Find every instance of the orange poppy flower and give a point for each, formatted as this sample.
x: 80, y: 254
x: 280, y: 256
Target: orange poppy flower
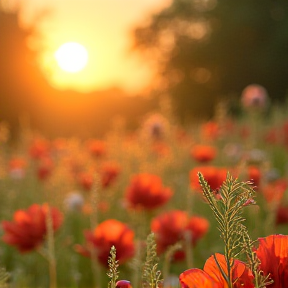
x: 213, y: 175
x: 28, y: 229
x: 146, y: 191
x: 273, y: 254
x: 212, y: 277
x: 203, y: 153
x: 108, y: 233
x: 171, y: 227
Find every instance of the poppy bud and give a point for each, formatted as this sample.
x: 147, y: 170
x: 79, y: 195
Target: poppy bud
x: 123, y: 284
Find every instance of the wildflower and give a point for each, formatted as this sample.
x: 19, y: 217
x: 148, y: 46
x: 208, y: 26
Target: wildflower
x: 59, y: 145
x: 28, y: 229
x: 160, y: 148
x: 108, y: 233
x: 211, y: 276
x: 17, y: 167
x: 45, y: 167
x: 146, y: 191
x: 109, y: 173
x: 273, y: 255
x: 254, y: 175
x: 272, y: 175
x: 254, y: 97
x: 171, y: 227
x: 282, y: 215
x: 274, y: 191
x: 74, y: 201
x: 210, y: 130
x: 213, y: 175
x: 255, y: 156
x: 123, y: 284
x: 156, y: 126
x: 39, y: 148
x: 233, y: 152
x: 203, y: 153
x: 96, y: 148
x: 85, y: 180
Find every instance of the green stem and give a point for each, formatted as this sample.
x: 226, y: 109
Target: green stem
x: 188, y: 248
x: 51, y: 251
x: 93, y: 223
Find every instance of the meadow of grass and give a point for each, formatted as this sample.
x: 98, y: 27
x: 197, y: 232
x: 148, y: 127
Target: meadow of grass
x: 137, y: 178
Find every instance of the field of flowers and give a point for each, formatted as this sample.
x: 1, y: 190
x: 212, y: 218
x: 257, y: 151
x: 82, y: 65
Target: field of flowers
x: 66, y: 202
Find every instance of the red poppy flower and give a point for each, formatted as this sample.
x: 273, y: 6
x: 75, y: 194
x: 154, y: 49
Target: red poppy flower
x: 271, y: 136
x: 146, y: 191
x: 212, y: 277
x: 171, y: 227
x: 17, y: 163
x: 197, y: 278
x: 254, y: 175
x: 123, y: 284
x: 210, y: 130
x: 213, y: 175
x: 85, y: 180
x: 97, y: 148
x: 160, y: 148
x: 203, y: 153
x: 17, y: 167
x: 282, y: 215
x: 109, y: 173
x: 108, y: 233
x: 44, y: 168
x: 273, y: 254
x: 285, y: 133
x: 274, y: 191
x: 39, y: 148
x: 59, y: 145
x: 28, y: 229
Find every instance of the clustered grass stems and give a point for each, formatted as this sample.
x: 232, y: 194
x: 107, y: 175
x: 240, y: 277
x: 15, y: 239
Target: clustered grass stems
x: 4, y: 277
x: 234, y: 196
x: 260, y: 280
x: 113, y: 268
x: 151, y: 275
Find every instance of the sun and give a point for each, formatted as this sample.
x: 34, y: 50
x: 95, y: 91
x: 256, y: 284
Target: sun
x: 71, y: 57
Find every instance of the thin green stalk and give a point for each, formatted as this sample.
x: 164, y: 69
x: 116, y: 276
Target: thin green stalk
x: 93, y: 223
x: 188, y: 248
x: 51, y: 250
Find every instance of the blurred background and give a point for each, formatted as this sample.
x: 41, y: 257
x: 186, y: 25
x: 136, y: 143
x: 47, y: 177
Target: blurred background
x: 141, y: 54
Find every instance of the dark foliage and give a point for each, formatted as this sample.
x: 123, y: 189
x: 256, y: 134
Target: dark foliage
x: 212, y: 49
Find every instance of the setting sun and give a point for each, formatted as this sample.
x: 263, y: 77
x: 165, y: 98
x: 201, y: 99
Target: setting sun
x: 71, y: 57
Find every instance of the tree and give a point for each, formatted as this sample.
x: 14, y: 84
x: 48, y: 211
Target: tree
x: 207, y: 49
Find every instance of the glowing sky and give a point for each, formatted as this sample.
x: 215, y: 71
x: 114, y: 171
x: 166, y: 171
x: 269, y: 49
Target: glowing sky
x: 104, y: 28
